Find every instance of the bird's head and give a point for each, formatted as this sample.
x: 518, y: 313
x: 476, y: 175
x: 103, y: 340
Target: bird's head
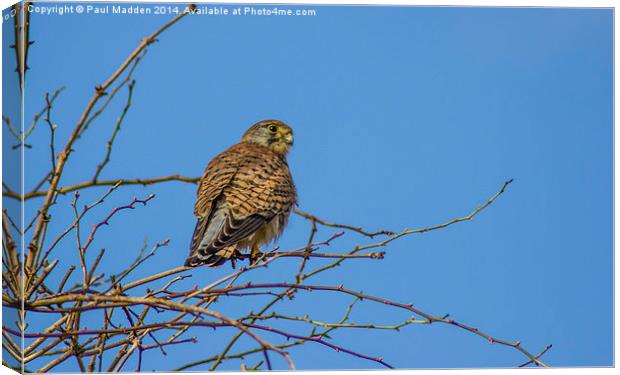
x: 273, y: 134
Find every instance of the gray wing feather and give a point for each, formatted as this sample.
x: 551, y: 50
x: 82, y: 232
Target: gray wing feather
x: 220, y: 231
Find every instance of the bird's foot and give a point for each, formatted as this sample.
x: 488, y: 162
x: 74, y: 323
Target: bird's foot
x: 255, y: 255
x: 233, y: 259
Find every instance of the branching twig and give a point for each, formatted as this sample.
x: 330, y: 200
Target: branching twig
x: 533, y: 360
x: 359, y: 230
x: 90, y: 183
x: 113, y: 136
x: 48, y: 120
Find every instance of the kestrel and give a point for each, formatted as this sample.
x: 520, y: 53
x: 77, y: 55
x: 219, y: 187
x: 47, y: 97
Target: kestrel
x: 244, y: 197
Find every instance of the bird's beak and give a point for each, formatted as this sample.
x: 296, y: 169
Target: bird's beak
x: 289, y: 138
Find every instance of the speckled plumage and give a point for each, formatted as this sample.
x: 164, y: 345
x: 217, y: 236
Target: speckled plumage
x: 245, y: 196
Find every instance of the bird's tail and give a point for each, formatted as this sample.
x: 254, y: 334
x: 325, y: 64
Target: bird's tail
x: 214, y: 259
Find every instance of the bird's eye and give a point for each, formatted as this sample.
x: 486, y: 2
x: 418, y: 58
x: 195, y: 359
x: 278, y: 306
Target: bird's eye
x: 273, y: 128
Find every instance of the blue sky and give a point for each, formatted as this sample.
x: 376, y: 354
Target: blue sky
x: 404, y: 117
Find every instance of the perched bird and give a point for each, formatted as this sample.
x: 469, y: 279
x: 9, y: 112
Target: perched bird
x: 244, y: 197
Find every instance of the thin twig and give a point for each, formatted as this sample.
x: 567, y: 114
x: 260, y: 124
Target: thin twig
x: 88, y: 184
x: 116, y: 129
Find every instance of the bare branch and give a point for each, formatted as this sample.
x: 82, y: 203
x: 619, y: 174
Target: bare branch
x: 359, y: 230
x: 113, y: 136
x: 88, y: 184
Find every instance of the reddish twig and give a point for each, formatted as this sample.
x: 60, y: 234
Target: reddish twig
x: 106, y: 221
x: 362, y: 296
x: 537, y: 356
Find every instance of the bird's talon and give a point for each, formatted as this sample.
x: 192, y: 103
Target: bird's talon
x: 256, y: 255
